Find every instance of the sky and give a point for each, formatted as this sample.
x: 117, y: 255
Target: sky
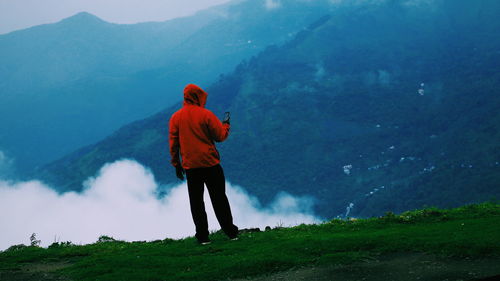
x: 21, y: 14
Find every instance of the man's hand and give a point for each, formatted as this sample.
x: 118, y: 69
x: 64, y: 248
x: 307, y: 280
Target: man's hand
x: 179, y: 171
x: 227, y: 118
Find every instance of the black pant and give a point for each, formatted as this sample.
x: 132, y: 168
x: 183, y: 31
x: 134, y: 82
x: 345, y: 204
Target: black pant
x: 214, y: 179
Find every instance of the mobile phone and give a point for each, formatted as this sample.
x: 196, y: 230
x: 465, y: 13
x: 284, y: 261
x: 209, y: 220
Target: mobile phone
x: 227, y: 116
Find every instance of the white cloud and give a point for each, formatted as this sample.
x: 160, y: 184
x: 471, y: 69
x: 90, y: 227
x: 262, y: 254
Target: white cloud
x: 320, y: 72
x: 121, y: 202
x: 365, y: 2
x: 272, y: 4
x: 336, y: 2
x: 384, y: 77
x: 6, y: 165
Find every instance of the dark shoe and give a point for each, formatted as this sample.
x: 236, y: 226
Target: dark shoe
x: 204, y: 241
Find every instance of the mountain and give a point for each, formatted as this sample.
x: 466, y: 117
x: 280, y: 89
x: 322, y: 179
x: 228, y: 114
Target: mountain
x: 65, y: 84
x: 71, y: 83
x: 375, y: 107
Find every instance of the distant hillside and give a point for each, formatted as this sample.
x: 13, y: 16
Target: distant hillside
x: 71, y: 83
x: 67, y: 84
x: 386, y: 106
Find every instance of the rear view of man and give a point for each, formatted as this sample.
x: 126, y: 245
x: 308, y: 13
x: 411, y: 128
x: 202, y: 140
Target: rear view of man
x: 193, y: 131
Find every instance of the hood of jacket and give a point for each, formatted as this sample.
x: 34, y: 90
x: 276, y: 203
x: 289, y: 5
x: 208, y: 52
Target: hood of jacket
x: 194, y: 95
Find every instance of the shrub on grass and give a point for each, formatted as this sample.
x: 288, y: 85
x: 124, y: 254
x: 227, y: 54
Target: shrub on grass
x: 34, y: 242
x: 15, y: 248
x: 105, y: 238
x: 61, y: 244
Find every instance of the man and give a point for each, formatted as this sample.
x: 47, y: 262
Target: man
x: 192, y: 133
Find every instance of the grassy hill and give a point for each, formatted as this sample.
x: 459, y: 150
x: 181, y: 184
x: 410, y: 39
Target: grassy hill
x: 468, y: 236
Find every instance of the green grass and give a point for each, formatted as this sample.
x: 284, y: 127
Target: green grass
x: 472, y: 231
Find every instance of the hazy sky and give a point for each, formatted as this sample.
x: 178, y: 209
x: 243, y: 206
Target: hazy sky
x: 20, y: 14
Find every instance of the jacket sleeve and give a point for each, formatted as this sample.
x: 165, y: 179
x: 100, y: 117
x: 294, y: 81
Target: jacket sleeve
x: 218, y: 131
x: 173, y: 136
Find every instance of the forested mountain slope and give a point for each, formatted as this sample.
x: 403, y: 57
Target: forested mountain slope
x: 389, y: 106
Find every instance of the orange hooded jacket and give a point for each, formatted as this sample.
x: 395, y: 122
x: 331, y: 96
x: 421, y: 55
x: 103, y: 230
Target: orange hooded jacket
x: 193, y: 129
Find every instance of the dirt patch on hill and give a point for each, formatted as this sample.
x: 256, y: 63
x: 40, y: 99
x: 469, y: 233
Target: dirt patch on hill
x: 388, y: 267
x: 36, y: 271
x: 396, y: 267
